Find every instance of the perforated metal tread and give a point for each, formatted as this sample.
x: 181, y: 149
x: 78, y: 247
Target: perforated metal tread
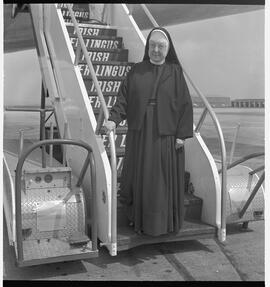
x: 91, y: 30
x: 56, y: 250
x: 34, y: 249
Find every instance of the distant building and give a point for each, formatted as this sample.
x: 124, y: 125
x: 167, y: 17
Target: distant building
x: 215, y: 102
x: 248, y: 103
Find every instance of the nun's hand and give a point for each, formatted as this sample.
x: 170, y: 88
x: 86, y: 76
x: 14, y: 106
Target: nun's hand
x: 109, y: 126
x: 179, y: 143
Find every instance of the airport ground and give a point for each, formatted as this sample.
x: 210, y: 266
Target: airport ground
x: 239, y: 258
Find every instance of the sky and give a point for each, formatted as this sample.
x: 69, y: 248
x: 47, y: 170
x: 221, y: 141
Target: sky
x: 224, y: 56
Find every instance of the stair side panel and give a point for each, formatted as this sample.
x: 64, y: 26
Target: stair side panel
x: 205, y: 178
x: 72, y: 106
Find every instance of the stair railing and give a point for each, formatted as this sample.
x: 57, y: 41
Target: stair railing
x: 243, y: 159
x: 42, y: 111
x: 208, y: 109
x: 103, y: 115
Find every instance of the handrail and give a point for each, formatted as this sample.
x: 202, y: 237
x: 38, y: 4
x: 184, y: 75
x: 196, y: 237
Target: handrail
x: 89, y: 63
x: 135, y: 26
x: 27, y: 109
x: 111, y: 135
x: 42, y: 111
x: 149, y: 15
x: 243, y: 159
x: 18, y: 177
x: 257, y: 170
x: 222, y: 235
x: 222, y: 230
x: 201, y: 120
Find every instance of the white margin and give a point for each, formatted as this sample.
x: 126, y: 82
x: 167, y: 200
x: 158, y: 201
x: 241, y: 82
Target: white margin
x: 1, y: 134
x: 267, y: 142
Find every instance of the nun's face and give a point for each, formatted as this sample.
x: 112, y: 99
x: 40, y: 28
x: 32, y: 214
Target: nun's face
x: 158, y: 47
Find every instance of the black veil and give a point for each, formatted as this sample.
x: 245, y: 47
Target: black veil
x: 171, y: 56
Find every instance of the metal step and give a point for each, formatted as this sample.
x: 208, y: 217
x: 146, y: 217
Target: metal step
x: 75, y: 7
x: 113, y: 62
x: 94, y: 25
x: 80, y: 14
x: 81, y: 20
x: 192, y: 205
x: 102, y: 43
x: 91, y: 31
x: 127, y: 238
x: 120, y: 143
x: 109, y: 89
x: 104, y: 56
x: 108, y: 97
x: 119, y: 130
x: 106, y: 71
x: 192, y: 227
x: 55, y: 250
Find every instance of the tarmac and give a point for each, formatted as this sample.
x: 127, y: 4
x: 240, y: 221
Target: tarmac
x: 239, y: 258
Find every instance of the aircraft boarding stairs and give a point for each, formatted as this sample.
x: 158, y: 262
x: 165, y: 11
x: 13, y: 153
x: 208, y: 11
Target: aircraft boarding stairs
x: 111, y: 66
x: 110, y: 59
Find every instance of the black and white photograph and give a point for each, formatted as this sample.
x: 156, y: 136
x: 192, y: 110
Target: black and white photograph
x: 134, y: 142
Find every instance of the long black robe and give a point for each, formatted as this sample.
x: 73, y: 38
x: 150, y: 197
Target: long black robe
x: 152, y: 184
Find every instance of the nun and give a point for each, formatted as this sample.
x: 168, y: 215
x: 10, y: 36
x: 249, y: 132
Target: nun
x: 155, y: 101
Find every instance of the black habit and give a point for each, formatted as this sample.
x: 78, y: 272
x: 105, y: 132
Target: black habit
x: 156, y: 103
